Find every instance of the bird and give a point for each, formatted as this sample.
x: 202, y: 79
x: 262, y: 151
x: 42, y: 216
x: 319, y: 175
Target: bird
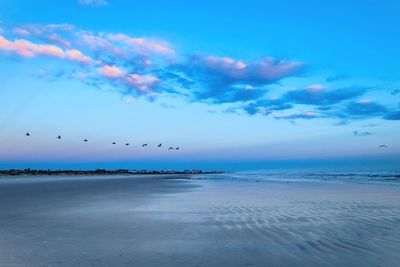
x: 144, y: 145
x: 113, y: 143
x: 383, y: 146
x: 27, y: 134
x: 85, y: 140
x: 170, y: 148
x: 127, y: 144
x: 159, y: 145
x: 176, y: 148
x: 59, y: 137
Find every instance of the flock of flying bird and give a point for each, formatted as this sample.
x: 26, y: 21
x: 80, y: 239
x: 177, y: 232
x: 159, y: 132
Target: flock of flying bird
x: 114, y: 143
x: 159, y: 145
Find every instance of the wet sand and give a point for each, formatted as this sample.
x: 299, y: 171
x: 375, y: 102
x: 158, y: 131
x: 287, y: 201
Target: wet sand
x: 147, y: 221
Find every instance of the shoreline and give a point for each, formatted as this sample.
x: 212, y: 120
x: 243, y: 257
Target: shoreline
x: 31, y: 172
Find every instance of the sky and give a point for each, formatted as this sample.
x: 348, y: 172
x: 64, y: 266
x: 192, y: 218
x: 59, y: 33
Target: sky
x: 234, y: 84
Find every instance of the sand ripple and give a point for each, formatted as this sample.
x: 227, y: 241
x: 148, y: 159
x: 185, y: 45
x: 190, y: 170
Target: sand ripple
x: 316, y: 228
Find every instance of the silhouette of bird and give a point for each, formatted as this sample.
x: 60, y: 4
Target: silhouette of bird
x: 170, y: 148
x: 144, y: 145
x: 127, y: 144
x: 85, y: 140
x: 59, y: 137
x: 27, y: 134
x: 383, y: 146
x: 113, y: 143
x: 159, y: 145
x: 176, y: 148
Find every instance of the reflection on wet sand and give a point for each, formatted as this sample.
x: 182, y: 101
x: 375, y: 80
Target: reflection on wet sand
x: 143, y: 221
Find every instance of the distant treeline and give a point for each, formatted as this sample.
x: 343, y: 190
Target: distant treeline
x: 14, y: 172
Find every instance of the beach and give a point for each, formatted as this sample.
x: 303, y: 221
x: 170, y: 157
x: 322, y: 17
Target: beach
x: 185, y: 220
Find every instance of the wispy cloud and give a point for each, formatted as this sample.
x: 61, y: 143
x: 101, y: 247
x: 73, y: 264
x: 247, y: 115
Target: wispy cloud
x: 148, y: 66
x: 111, y: 72
x: 99, y: 44
x: 335, y: 78
x: 96, y: 3
x: 76, y: 55
x: 306, y: 115
x: 141, y: 83
x: 26, y: 48
x: 358, y: 133
x: 142, y: 45
x: 363, y: 109
x: 265, y: 106
x: 395, y: 92
x: 316, y: 95
x: 29, y: 49
x: 228, y: 80
x: 395, y: 115
x: 322, y: 96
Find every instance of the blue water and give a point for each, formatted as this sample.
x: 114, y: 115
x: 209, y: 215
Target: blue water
x: 387, y: 177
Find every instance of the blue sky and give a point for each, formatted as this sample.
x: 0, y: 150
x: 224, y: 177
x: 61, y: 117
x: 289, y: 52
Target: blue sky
x: 229, y: 82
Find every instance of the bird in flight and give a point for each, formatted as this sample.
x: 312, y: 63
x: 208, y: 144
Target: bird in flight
x: 176, y: 148
x: 170, y: 148
x: 159, y: 145
x: 383, y: 146
x: 59, y: 137
x: 144, y: 145
x: 27, y: 134
x: 113, y: 143
x: 127, y: 144
x: 85, y: 140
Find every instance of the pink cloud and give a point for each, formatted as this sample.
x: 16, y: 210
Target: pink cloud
x: 315, y: 88
x: 143, y: 83
x: 306, y: 115
x: 65, y: 27
x: 226, y: 78
x: 77, y: 56
x: 272, y: 69
x: 142, y: 44
x: 57, y: 39
x: 268, y: 69
x: 49, y: 33
x: 229, y: 66
x: 21, y: 31
x: 111, y: 72
x: 26, y: 48
x: 98, y: 43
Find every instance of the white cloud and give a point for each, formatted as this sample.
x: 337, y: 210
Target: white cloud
x: 93, y: 2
